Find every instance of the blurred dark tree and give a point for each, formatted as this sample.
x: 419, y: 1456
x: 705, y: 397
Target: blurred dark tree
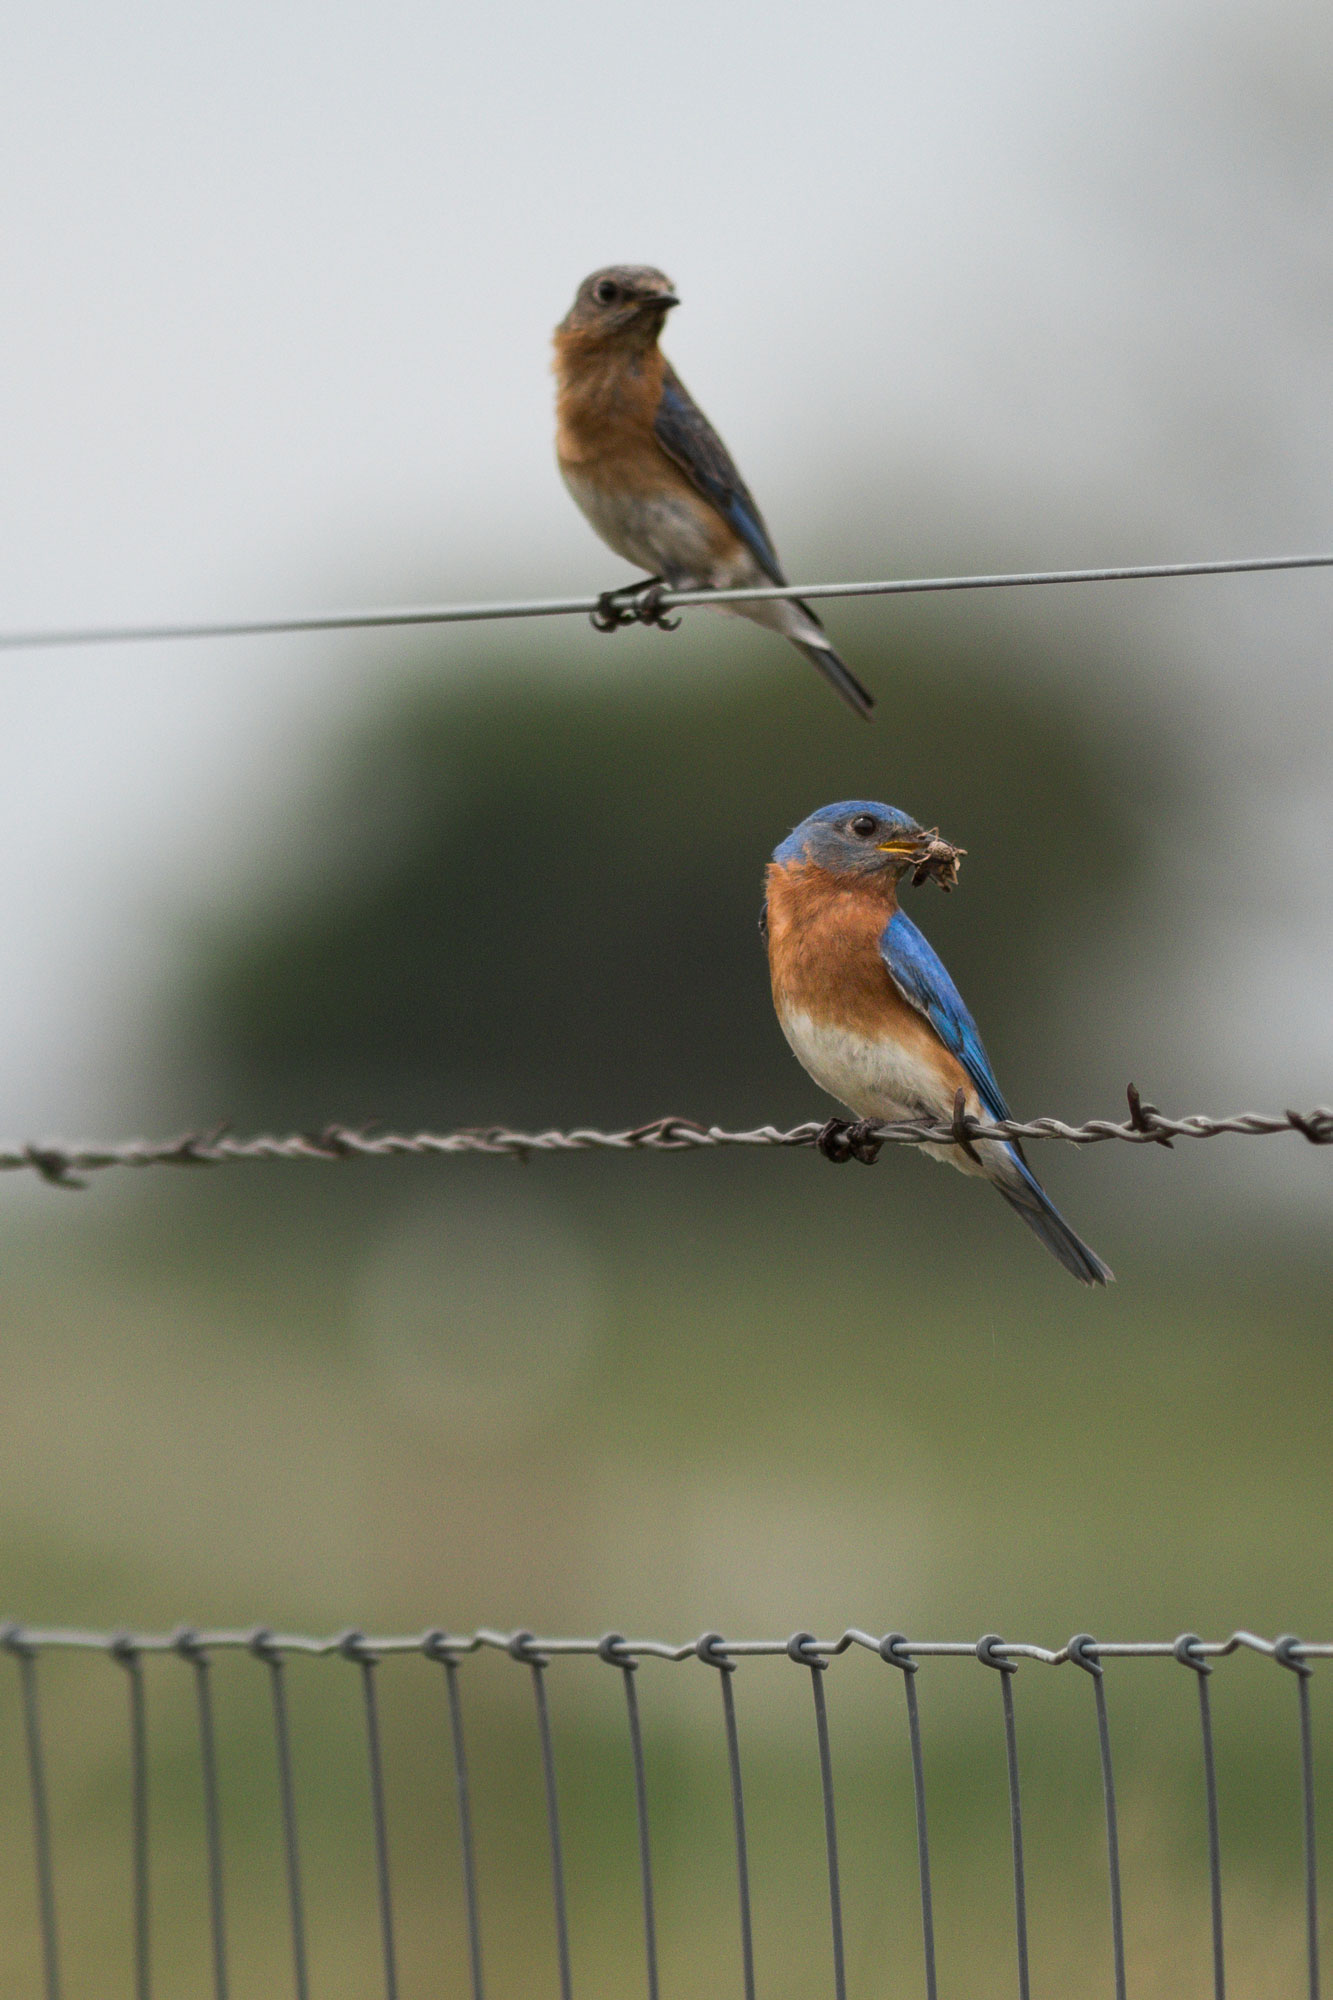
x: 532, y: 897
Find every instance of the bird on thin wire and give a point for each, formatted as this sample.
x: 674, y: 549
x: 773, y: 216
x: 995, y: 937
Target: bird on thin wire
x: 871, y: 1012
x: 653, y: 476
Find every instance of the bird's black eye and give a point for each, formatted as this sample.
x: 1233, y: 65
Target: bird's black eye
x: 864, y: 825
x: 607, y: 292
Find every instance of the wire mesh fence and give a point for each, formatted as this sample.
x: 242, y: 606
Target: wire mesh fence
x: 497, y: 1898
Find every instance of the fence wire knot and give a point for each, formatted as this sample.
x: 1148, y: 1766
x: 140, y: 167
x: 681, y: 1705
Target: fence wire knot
x: 1082, y: 1650
x: 1287, y: 1654
x: 710, y: 1648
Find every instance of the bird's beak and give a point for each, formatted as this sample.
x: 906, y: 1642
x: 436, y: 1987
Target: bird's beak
x: 927, y: 856
x: 660, y: 301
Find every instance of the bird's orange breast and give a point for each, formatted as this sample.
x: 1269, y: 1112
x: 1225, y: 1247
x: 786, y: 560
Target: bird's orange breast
x: 606, y: 403
x: 823, y: 948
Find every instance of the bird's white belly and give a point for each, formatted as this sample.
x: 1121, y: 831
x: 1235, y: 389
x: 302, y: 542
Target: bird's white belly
x: 666, y: 533
x: 877, y: 1078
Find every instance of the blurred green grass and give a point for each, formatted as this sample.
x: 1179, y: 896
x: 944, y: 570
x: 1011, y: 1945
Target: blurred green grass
x: 665, y: 1394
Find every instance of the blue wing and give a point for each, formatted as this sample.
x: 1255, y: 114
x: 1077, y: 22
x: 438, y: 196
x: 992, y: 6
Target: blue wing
x: 923, y: 982
x: 687, y: 437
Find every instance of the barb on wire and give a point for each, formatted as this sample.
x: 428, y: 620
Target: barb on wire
x: 65, y: 1165
x: 565, y: 607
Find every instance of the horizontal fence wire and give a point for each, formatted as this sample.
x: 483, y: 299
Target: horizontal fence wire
x: 63, y: 1164
x: 28, y: 1645
x: 667, y: 600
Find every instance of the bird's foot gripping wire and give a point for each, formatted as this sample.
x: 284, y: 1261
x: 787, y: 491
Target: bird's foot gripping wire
x: 633, y: 604
x: 854, y: 1139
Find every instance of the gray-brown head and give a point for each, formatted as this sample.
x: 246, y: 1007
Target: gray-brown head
x: 620, y: 303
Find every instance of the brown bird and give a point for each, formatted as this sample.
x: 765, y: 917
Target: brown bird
x: 653, y: 476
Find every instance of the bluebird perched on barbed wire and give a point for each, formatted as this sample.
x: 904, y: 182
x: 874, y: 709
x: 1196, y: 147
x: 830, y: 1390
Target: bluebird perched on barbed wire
x: 873, y: 1015
x: 653, y: 476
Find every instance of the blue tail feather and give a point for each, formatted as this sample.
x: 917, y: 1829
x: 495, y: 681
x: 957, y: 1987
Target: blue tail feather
x: 1025, y: 1194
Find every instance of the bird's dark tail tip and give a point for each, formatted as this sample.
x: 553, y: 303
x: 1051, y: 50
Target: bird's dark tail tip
x: 1025, y: 1194
x: 841, y: 677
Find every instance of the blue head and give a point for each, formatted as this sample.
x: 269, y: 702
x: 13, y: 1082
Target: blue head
x: 862, y: 837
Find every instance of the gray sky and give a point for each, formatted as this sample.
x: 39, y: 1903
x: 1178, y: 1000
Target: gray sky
x: 278, y: 285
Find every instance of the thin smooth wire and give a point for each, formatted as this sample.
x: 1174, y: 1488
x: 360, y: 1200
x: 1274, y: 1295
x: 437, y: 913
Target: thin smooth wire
x: 375, y: 1764
x: 553, y: 1827
x: 287, y: 1801
x: 564, y: 607
x: 212, y: 1818
x: 1286, y: 1652
x: 129, y: 1658
x: 63, y: 1165
x: 738, y: 1820
x: 41, y: 1824
x: 1311, y: 1851
x: 1112, y: 1839
x: 818, y: 1668
x: 434, y: 1643
x: 889, y: 1649
x: 1083, y: 1649
x: 463, y: 1795
x: 628, y: 1669
x: 1188, y: 1651
x: 1016, y: 1832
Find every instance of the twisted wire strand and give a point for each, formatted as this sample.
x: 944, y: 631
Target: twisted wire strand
x: 564, y: 607
x: 63, y: 1164
x: 436, y: 1644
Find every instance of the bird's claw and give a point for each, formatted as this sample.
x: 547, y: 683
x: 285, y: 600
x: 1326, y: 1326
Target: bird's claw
x: 612, y: 612
x: 849, y: 1139
x: 635, y: 604
x: 648, y: 608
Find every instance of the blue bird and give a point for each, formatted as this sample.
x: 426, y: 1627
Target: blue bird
x: 871, y: 1012
x: 653, y: 476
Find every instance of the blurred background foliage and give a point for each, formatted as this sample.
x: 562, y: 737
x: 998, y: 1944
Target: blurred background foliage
x: 535, y: 897
x: 748, y: 1392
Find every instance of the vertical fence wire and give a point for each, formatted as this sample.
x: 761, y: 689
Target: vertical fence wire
x: 611, y: 1648
x: 709, y: 1650
x: 13, y: 1641
x: 1082, y: 1651
x: 189, y: 1648
x: 354, y: 1648
x: 990, y: 1657
x: 1187, y: 1651
x: 797, y: 1649
x: 890, y: 1649
x: 1284, y: 1652
x: 436, y: 1650
x: 127, y: 1653
x: 802, y: 1648
x: 262, y: 1646
x: 1311, y: 1861
x: 521, y: 1648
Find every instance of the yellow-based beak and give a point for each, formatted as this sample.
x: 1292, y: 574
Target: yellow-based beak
x: 928, y: 856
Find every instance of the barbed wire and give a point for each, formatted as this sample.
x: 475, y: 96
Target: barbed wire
x: 63, y: 1165
x: 667, y: 600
